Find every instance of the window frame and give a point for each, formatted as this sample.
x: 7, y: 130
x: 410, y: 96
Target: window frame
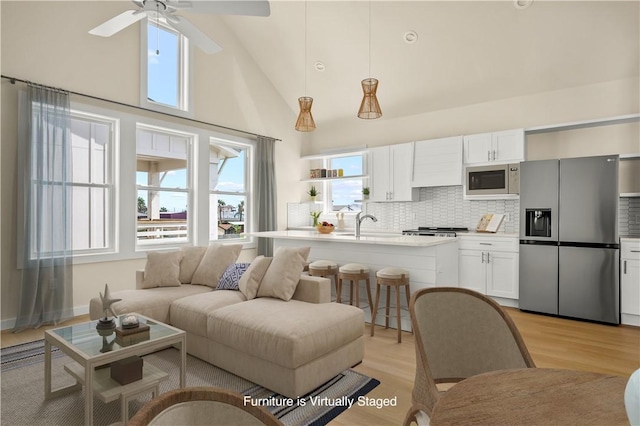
x: 185, y: 73
x: 111, y: 176
x: 190, y: 190
x: 249, y: 193
x: 327, y: 206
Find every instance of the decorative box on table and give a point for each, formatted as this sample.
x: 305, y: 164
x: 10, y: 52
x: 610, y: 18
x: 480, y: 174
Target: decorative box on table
x: 127, y: 370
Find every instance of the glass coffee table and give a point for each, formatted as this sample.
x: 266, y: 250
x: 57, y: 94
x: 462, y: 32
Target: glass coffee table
x: 91, y: 348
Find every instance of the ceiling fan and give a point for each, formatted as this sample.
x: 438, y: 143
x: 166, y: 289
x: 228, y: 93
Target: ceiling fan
x: 165, y: 10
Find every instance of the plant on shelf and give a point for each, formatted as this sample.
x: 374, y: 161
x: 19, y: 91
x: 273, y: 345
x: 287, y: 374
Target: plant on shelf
x: 365, y: 192
x: 313, y: 192
x: 315, y: 215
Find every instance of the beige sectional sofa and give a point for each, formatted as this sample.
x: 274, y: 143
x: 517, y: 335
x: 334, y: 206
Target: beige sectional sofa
x: 286, y: 337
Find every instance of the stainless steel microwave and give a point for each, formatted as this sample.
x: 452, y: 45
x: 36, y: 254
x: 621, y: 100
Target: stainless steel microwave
x: 493, y: 179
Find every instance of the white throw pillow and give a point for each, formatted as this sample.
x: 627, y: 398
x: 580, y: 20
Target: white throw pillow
x: 191, y: 257
x: 251, y: 279
x: 215, y: 261
x: 281, y: 279
x: 162, y: 269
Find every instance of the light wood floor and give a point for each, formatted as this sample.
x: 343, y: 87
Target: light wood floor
x: 553, y: 343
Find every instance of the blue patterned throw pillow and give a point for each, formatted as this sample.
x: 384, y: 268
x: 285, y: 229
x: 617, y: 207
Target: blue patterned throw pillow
x: 230, y: 277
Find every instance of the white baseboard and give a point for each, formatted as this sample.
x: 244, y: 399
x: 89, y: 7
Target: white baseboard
x: 8, y: 324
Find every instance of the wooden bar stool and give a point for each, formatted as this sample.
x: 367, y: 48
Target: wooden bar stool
x: 325, y: 269
x: 396, y: 278
x: 354, y: 273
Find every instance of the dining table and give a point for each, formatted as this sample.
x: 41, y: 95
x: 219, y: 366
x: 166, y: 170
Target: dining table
x: 531, y: 396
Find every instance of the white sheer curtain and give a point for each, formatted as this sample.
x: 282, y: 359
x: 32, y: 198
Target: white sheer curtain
x: 44, y: 208
x: 266, y: 192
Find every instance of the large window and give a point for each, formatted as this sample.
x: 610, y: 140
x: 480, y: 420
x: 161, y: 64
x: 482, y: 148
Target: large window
x: 163, y: 181
x: 345, y: 194
x: 165, y: 68
x: 229, y: 200
x: 93, y: 147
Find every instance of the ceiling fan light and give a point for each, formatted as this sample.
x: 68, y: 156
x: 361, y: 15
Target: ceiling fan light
x: 369, y: 108
x: 305, y: 122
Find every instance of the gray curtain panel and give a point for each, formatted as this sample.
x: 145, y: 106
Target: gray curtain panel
x: 266, y: 192
x: 44, y: 208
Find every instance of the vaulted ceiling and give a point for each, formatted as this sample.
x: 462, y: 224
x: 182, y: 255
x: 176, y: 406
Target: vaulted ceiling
x: 466, y: 52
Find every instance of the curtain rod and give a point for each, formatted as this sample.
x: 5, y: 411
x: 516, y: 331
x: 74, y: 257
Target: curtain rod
x: 13, y: 80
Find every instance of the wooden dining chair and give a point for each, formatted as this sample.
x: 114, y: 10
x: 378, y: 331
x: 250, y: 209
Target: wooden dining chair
x: 202, y: 406
x: 458, y: 333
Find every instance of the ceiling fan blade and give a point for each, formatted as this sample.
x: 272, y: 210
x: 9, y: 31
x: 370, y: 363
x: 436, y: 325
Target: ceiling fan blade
x: 194, y: 35
x: 118, y: 23
x: 229, y: 7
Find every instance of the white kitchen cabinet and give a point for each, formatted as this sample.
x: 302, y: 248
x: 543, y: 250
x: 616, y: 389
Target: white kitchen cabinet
x: 390, y: 173
x: 437, y: 162
x: 497, y: 147
x: 489, y: 265
x: 630, y: 282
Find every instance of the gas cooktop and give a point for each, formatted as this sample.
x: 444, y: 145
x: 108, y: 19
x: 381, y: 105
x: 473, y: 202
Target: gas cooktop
x: 436, y: 231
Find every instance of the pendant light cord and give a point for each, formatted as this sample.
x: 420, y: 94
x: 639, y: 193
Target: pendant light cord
x: 305, y: 48
x: 369, y: 38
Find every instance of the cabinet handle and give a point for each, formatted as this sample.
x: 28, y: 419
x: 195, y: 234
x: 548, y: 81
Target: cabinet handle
x: 486, y: 244
x: 635, y: 251
x: 494, y: 154
x: 625, y: 267
x: 488, y: 258
x: 488, y: 155
x: 482, y: 257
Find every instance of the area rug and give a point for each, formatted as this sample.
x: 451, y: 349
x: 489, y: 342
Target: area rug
x: 22, y: 377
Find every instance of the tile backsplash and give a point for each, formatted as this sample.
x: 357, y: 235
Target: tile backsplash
x: 445, y: 206
x: 442, y: 206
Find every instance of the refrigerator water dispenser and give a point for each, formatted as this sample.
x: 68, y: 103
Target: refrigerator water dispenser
x: 538, y: 222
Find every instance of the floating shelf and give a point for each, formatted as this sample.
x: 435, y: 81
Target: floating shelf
x: 334, y: 178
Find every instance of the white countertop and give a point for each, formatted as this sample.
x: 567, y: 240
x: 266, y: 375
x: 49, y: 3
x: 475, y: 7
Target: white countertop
x: 487, y: 234
x: 365, y: 238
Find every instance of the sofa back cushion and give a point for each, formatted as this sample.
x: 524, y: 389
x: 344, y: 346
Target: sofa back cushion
x: 231, y: 276
x: 191, y: 257
x: 282, y: 277
x: 162, y: 269
x: 250, y: 280
x: 215, y: 261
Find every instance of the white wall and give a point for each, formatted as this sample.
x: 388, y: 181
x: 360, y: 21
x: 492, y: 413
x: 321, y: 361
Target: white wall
x: 48, y: 43
x: 607, y: 99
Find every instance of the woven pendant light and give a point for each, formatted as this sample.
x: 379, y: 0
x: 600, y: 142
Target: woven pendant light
x: 369, y: 107
x: 305, y: 122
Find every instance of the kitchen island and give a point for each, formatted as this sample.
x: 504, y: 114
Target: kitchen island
x: 431, y: 261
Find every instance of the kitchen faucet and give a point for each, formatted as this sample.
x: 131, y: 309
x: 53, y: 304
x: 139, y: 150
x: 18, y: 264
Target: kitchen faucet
x: 359, y: 221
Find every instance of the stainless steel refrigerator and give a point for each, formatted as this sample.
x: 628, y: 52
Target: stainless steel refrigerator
x: 569, y: 247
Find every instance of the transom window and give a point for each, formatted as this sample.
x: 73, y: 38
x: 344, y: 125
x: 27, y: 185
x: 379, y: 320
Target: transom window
x: 165, y: 68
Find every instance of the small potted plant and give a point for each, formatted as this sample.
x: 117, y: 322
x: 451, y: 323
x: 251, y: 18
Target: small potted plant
x: 365, y: 193
x: 313, y: 192
x: 315, y: 215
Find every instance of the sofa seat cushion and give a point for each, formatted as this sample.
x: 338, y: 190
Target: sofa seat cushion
x: 287, y: 333
x: 190, y: 313
x: 153, y: 302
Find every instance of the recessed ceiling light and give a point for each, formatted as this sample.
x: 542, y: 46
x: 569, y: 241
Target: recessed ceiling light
x: 410, y: 37
x: 319, y: 66
x: 522, y: 4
